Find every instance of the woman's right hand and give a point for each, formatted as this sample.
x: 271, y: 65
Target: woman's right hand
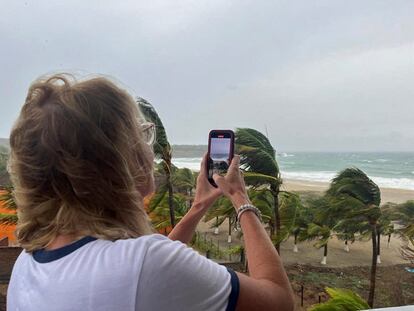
x: 232, y: 185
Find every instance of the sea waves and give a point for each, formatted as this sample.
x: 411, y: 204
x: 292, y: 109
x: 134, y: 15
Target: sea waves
x: 383, y: 182
x: 298, y: 171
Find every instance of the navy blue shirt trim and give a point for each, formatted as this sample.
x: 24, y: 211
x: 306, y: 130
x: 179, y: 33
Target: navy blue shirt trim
x: 235, y: 288
x: 44, y: 256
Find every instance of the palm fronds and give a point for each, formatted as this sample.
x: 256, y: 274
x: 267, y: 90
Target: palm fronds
x: 162, y: 148
x: 256, y: 153
x: 355, y: 183
x: 7, y: 198
x: 8, y: 202
x: 8, y: 219
x: 341, y: 300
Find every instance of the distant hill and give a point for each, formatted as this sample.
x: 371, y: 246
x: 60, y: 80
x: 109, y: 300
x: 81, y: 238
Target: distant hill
x: 4, y: 142
x: 179, y: 151
x: 4, y: 145
x: 188, y: 151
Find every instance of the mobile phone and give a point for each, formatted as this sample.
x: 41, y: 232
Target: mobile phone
x: 220, y: 153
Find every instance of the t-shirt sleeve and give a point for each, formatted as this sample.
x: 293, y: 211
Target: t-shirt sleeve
x: 175, y: 277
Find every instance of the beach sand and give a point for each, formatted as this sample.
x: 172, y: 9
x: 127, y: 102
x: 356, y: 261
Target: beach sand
x: 360, y: 251
x: 387, y: 194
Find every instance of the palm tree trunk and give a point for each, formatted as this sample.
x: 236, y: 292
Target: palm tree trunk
x: 389, y: 240
x: 373, y: 266
x: 275, y: 191
x: 295, y: 246
x: 216, y: 229
x: 242, y: 257
x: 325, y: 254
x: 346, y: 248
x: 272, y: 228
x: 378, y: 247
x: 170, y: 193
x: 229, y: 236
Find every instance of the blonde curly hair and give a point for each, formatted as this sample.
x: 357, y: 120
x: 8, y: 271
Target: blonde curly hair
x: 77, y: 162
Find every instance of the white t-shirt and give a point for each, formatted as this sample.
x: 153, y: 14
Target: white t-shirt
x: 148, y: 273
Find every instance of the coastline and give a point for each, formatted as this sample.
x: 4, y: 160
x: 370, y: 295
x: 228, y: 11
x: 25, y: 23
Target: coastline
x: 387, y: 194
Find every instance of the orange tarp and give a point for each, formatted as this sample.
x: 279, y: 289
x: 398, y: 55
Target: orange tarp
x: 7, y: 230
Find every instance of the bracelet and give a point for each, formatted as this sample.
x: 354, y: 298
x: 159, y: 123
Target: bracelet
x: 248, y: 207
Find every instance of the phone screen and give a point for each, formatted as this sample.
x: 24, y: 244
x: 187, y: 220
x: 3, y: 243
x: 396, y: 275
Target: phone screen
x: 220, y: 153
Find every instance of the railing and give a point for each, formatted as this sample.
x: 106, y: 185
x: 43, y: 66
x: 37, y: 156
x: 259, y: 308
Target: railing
x: 404, y: 308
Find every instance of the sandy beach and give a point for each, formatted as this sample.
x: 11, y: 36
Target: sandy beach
x: 387, y: 194
x: 360, y: 250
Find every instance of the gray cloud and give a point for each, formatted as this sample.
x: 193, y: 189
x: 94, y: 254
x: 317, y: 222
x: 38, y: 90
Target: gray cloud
x: 320, y: 75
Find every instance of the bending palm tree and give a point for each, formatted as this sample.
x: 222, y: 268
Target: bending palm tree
x: 159, y: 210
x: 221, y: 210
x: 184, y: 181
x: 321, y: 224
x: 292, y: 214
x: 258, y: 159
x: 353, y: 190
x: 162, y: 149
x: 405, y: 212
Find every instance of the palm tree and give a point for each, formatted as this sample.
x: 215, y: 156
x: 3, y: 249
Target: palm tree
x: 258, y: 159
x: 184, y: 181
x: 3, y: 160
x: 162, y: 149
x: 294, y: 217
x: 321, y: 222
x: 357, y: 195
x: 158, y: 210
x: 407, y: 250
x: 405, y: 215
x: 341, y: 300
x: 8, y: 202
x: 385, y: 225
x: 346, y: 232
x: 221, y: 210
x: 263, y: 199
x: 4, y: 175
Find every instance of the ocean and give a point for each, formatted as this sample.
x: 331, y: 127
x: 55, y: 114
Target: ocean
x: 388, y: 170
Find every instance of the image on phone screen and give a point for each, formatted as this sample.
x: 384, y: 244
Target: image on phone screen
x: 219, y: 155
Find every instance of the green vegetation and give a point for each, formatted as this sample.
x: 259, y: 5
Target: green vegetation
x: 341, y: 300
x: 261, y: 171
x: 7, y: 201
x: 162, y: 150
x: 355, y: 196
x: 207, y: 247
x: 3, y: 159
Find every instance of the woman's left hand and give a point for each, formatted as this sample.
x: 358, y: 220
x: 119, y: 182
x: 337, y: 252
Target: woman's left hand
x: 206, y: 194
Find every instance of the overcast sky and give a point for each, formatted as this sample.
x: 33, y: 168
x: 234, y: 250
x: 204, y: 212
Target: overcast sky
x: 320, y: 75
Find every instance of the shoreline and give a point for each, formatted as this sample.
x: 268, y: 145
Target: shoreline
x: 393, y: 195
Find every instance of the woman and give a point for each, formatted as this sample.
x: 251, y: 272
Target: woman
x: 81, y: 163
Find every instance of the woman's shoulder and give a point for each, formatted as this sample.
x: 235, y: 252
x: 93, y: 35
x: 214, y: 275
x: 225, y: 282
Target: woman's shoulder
x: 141, y: 245
x: 142, y: 241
